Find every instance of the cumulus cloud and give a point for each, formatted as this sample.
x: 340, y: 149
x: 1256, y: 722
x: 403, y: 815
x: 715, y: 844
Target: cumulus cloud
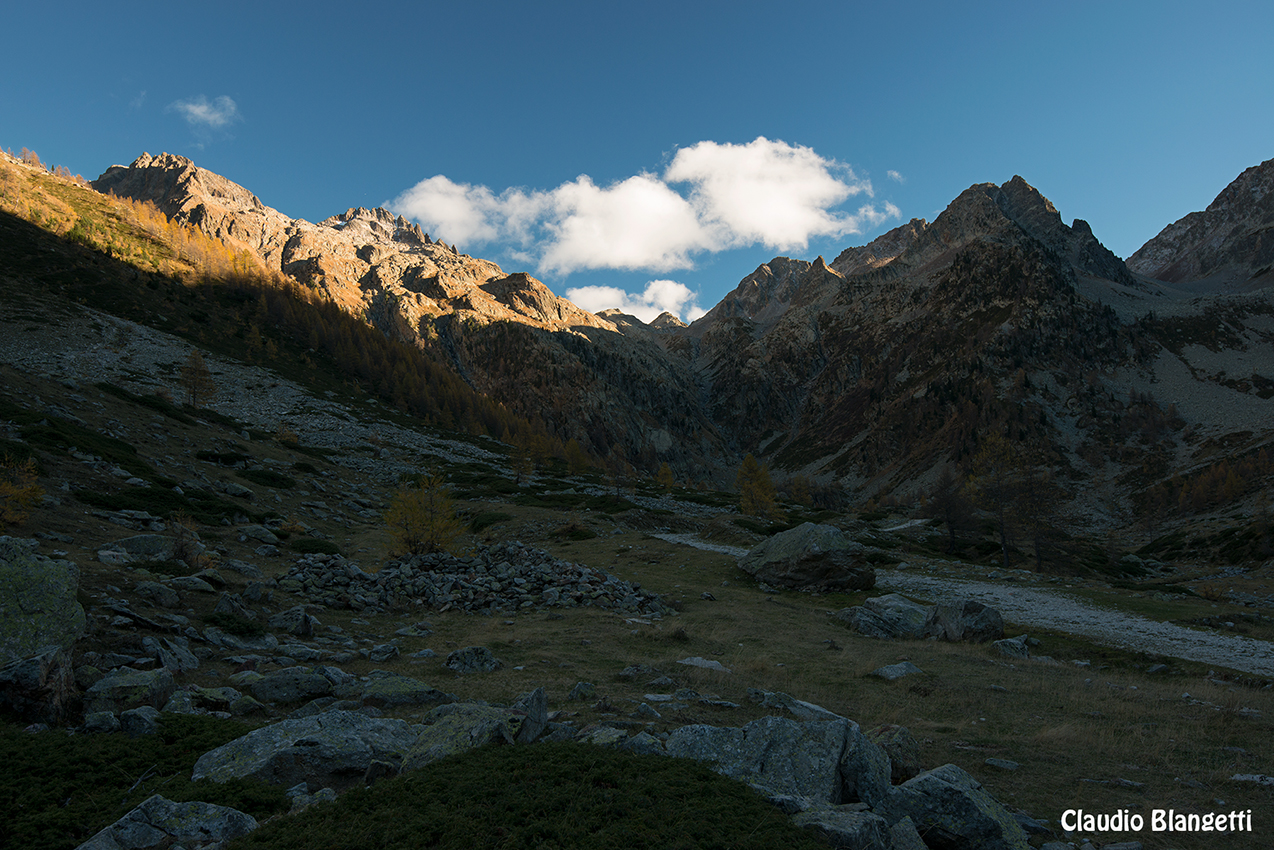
x: 761, y: 193
x: 201, y: 112
x: 771, y: 193
x: 660, y: 296
x: 895, y: 176
x: 639, y: 223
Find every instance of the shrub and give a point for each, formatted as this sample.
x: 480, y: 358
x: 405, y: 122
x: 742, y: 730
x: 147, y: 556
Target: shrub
x: 18, y: 490
x: 57, y: 790
x: 546, y: 795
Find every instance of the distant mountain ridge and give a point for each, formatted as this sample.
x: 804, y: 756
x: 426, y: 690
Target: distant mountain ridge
x: 871, y: 373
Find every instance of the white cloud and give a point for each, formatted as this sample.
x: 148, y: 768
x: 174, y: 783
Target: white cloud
x: 763, y: 192
x: 201, y: 112
x: 661, y: 296
x: 639, y: 223
x: 895, y: 176
x: 773, y: 193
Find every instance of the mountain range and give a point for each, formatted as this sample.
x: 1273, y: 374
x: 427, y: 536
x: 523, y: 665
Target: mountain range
x: 866, y: 376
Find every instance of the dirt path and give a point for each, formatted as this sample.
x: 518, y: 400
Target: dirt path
x: 1029, y: 607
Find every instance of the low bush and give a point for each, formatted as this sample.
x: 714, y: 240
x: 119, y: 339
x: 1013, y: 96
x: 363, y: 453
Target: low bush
x: 57, y: 790
x: 543, y: 795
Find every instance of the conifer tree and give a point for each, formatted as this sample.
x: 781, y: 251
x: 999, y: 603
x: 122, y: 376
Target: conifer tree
x: 422, y: 518
x: 756, y: 491
x: 197, y: 380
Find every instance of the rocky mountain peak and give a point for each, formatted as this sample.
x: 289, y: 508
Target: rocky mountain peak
x: 368, y: 260
x: 1230, y: 245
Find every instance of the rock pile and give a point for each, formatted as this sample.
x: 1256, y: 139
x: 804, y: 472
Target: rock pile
x: 505, y: 577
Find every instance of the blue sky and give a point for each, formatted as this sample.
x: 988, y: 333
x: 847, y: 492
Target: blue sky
x: 612, y: 145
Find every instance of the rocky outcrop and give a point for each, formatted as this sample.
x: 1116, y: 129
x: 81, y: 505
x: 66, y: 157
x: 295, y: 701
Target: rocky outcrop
x: 159, y: 822
x: 810, y: 557
x: 329, y: 750
x: 830, y: 761
x: 952, y: 811
x: 38, y: 606
x: 1230, y: 245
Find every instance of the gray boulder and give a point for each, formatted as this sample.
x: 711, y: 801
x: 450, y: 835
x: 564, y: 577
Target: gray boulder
x: 889, y: 617
x: 842, y: 828
x: 826, y: 760
x: 456, y: 728
x: 291, y: 684
x: 1018, y: 647
x: 472, y: 659
x: 139, y: 721
x: 952, y: 811
x: 331, y: 750
x: 39, y: 687
x: 158, y: 822
x: 893, y: 672
x: 125, y: 688
x: 967, y: 620
x: 38, y: 607
x: 172, y: 653
x: 534, y: 708
x: 902, y: 748
x: 895, y: 617
x: 800, y: 709
x: 159, y: 595
x: 295, y: 621
x: 810, y: 556
x: 233, y: 605
x: 390, y: 690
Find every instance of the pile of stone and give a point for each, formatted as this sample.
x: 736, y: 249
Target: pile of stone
x: 502, y: 578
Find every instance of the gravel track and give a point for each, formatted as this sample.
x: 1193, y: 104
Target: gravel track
x: 1055, y: 610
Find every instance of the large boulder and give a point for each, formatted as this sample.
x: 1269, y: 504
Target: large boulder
x: 291, y: 684
x: 390, y: 690
x: 159, y: 822
x: 966, y: 620
x: 895, y: 617
x: 39, y: 687
x: 825, y: 760
x: 328, y: 750
x: 952, y: 811
x: 126, y: 688
x: 452, y: 729
x: 890, y: 616
x: 810, y: 556
x: 38, y: 607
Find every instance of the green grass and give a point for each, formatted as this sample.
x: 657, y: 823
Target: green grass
x: 56, y: 790
x: 542, y: 795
